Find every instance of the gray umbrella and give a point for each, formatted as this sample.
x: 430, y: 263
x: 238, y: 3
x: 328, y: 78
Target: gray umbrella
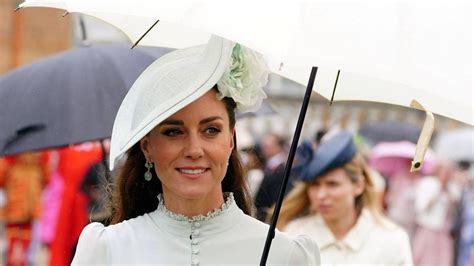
x: 389, y: 131
x: 68, y: 98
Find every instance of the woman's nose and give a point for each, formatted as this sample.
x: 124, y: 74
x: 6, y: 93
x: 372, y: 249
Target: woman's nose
x: 321, y: 192
x: 193, y: 147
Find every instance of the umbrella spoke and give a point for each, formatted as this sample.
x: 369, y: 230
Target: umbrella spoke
x: 144, y: 34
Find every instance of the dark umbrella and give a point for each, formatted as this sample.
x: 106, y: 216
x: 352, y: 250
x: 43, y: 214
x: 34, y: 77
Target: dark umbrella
x: 389, y: 131
x: 68, y: 98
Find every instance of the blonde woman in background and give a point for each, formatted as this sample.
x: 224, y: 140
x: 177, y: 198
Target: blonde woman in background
x: 336, y: 204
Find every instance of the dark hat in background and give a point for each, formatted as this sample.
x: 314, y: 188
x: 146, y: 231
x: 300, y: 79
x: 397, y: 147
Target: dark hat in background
x: 330, y: 154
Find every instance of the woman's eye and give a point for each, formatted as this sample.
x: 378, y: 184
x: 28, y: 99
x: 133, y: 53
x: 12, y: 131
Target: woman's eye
x: 172, y: 132
x: 212, y: 131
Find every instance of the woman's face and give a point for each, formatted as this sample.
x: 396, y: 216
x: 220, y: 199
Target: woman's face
x: 191, y: 149
x: 333, y: 195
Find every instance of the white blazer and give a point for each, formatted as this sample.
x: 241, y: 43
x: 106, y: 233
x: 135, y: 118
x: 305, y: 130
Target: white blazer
x: 367, y: 243
x: 224, y: 237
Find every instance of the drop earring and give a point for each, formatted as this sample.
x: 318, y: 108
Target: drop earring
x: 148, y: 175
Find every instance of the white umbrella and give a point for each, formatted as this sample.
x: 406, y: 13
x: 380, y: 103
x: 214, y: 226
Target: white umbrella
x: 388, y: 51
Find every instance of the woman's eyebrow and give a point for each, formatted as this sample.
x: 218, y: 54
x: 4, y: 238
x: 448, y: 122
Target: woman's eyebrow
x: 210, y: 119
x: 172, y: 122
x: 181, y: 122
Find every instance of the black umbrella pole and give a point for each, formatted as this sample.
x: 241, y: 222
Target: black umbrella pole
x: 289, y: 164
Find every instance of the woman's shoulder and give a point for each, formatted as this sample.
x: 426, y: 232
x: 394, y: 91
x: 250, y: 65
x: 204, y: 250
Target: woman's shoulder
x: 297, y: 250
x: 125, y: 229
x: 390, y: 232
x: 388, y: 236
x: 97, y: 241
x: 301, y: 224
x: 130, y: 228
x: 302, y: 249
x: 93, y: 230
x: 386, y: 225
x: 92, y: 246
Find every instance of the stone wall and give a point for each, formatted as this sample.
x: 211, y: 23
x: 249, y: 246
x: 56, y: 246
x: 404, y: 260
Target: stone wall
x: 29, y: 34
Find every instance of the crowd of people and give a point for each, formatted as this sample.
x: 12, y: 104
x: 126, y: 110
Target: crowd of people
x: 184, y: 191
x: 431, y: 208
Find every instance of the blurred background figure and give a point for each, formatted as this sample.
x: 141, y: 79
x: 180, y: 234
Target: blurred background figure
x: 254, y: 164
x: 73, y: 217
x: 337, y: 205
x: 457, y: 146
x: 464, y: 229
x: 3, y: 242
x: 23, y: 181
x: 393, y: 161
x: 435, y: 198
x: 95, y: 184
x: 273, y: 148
x: 251, y: 157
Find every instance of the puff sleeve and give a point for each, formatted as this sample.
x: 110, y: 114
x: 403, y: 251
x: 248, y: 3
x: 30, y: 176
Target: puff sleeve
x: 304, y: 252
x: 92, y: 246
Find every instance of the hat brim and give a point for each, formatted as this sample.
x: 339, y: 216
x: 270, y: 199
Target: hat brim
x: 168, y: 85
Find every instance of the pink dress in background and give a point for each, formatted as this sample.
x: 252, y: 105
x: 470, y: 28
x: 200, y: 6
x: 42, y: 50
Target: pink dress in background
x: 51, y: 204
x: 401, y: 202
x: 432, y: 243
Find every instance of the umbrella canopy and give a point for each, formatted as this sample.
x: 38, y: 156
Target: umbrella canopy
x: 389, y: 131
x: 69, y: 97
x: 387, y: 51
x: 390, y: 157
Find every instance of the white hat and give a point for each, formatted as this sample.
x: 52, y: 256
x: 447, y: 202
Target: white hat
x: 181, y: 77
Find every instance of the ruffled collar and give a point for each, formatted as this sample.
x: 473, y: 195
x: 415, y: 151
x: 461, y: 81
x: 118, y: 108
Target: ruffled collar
x: 229, y: 200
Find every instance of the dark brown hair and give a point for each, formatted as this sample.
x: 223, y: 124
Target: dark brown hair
x: 132, y: 196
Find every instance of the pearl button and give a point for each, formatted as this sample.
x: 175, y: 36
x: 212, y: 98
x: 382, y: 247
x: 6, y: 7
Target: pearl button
x: 194, y: 242
x: 196, y: 251
x: 195, y: 232
x: 197, y: 224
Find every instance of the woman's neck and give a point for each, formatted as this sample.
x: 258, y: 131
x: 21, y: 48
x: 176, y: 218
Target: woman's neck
x: 193, y: 207
x: 341, y: 226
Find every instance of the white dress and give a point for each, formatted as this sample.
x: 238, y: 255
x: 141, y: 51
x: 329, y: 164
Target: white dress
x: 367, y: 243
x: 224, y: 237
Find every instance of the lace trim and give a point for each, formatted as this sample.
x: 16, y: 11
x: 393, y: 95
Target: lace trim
x: 198, y: 218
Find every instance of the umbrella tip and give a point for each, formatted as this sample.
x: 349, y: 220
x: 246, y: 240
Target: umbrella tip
x: 335, y: 86
x: 65, y: 14
x: 16, y: 9
x: 415, y: 166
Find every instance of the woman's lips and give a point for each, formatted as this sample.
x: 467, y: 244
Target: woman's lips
x: 194, y: 172
x: 324, y: 208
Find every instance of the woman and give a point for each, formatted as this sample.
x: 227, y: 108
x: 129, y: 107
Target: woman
x: 336, y: 205
x: 436, y: 197
x: 180, y: 198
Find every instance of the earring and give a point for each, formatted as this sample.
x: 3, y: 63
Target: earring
x: 148, y: 175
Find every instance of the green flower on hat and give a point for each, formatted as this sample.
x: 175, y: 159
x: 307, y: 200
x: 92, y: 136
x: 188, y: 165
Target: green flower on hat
x: 244, y: 79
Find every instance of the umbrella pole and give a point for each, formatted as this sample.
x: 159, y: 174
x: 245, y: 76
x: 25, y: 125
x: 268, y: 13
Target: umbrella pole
x: 289, y: 163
